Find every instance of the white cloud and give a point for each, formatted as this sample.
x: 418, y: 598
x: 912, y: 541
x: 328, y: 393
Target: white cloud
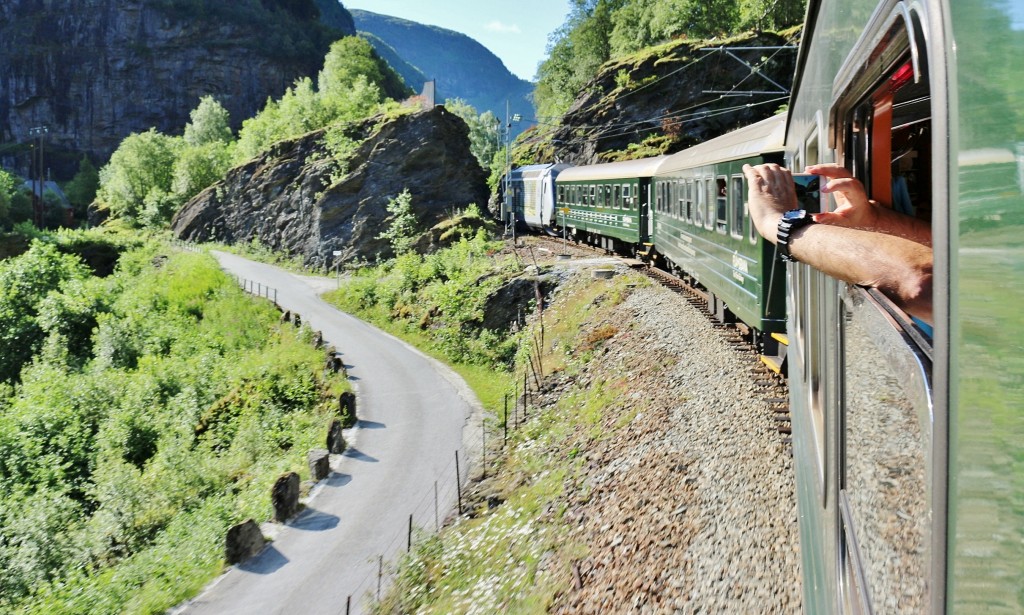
x: 497, y: 26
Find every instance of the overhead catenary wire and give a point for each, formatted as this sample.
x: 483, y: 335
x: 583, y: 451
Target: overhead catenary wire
x: 675, y: 118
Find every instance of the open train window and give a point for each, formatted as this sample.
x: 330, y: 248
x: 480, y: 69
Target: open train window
x: 882, y: 122
x: 736, y: 206
x: 711, y: 188
x: 627, y: 197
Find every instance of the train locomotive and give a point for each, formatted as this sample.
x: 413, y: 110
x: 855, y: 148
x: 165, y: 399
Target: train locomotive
x: 908, y: 437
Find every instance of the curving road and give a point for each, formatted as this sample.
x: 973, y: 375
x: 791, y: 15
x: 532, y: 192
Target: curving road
x: 413, y: 412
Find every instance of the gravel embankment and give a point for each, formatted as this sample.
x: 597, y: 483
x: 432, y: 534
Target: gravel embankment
x: 689, y: 507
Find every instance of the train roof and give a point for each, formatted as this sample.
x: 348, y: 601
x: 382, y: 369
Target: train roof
x: 764, y: 136
x: 643, y: 167
x: 534, y: 168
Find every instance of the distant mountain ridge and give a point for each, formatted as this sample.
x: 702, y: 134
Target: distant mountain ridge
x: 460, y: 66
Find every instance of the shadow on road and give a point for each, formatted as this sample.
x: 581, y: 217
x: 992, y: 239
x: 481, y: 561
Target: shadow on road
x: 361, y: 456
x: 312, y: 520
x: 363, y: 424
x: 267, y: 562
x: 337, y: 479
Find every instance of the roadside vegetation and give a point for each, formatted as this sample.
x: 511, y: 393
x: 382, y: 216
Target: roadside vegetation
x: 141, y: 415
x: 516, y: 556
x: 437, y: 301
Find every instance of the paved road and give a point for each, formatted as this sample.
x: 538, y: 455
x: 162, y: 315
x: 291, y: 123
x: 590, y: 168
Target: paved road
x: 413, y: 412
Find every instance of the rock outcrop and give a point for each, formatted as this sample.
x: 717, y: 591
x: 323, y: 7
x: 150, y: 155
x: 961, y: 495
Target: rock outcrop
x: 669, y: 98
x: 94, y: 71
x: 288, y: 201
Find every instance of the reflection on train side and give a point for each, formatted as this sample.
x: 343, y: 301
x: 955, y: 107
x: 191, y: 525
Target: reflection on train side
x: 886, y: 491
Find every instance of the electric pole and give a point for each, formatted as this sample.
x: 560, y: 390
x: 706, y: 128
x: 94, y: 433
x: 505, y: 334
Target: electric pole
x: 39, y: 205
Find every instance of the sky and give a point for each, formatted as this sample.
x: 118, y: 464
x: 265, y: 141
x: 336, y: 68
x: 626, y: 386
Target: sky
x: 515, y: 32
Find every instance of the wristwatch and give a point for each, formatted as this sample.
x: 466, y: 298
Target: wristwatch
x: 788, y: 224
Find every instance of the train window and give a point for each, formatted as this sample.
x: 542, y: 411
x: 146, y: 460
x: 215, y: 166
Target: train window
x: 627, y: 197
x: 811, y: 147
x: 712, y: 199
x: 681, y: 201
x: 721, y: 205
x: 887, y: 137
x: 592, y: 196
x: 737, y: 207
x: 688, y: 201
x: 616, y: 197
x: 698, y: 191
x: 887, y: 433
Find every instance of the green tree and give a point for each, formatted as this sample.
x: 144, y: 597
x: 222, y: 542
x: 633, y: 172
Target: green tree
x: 350, y: 57
x: 402, y: 232
x: 211, y: 123
x: 771, y: 14
x: 483, y: 129
x: 142, y: 164
x: 24, y: 282
x: 199, y: 167
x: 81, y: 190
x: 8, y: 188
x: 576, y: 52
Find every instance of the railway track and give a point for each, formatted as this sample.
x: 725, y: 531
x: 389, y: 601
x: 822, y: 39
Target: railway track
x: 771, y: 385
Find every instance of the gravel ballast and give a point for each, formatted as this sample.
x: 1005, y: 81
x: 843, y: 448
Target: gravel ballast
x: 689, y: 507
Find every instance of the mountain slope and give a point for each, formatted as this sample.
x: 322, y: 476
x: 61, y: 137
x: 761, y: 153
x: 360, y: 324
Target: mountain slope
x: 461, y: 67
x: 94, y: 71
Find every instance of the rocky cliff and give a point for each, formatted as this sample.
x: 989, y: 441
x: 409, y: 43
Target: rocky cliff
x: 668, y: 98
x: 93, y: 71
x: 286, y: 198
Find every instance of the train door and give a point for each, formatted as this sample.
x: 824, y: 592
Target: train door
x: 890, y: 478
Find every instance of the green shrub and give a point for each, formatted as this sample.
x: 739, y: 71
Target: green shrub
x: 188, y: 399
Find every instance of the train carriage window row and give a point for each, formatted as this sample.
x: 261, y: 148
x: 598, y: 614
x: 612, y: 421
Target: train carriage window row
x: 712, y: 203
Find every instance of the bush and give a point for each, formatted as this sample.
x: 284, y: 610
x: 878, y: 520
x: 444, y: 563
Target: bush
x: 24, y: 283
x: 121, y: 467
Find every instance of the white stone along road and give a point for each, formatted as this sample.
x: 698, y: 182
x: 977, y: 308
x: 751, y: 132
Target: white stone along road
x: 414, y: 413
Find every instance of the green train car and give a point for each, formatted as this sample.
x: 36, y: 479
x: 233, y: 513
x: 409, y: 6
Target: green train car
x: 607, y: 205
x: 702, y: 228
x: 908, y: 437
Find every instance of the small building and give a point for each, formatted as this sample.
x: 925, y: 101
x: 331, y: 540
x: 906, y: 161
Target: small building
x: 39, y: 204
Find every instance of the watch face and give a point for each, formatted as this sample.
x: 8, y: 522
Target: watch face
x: 794, y: 215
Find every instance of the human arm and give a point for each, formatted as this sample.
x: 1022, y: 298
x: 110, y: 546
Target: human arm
x: 855, y: 210
x: 899, y: 267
